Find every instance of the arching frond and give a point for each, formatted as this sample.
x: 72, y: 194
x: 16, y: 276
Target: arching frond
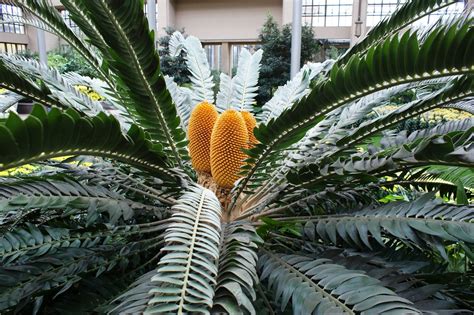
x: 57, y: 85
x: 244, y: 83
x: 402, y: 138
x: 322, y: 286
x: 423, y: 222
x: 292, y: 91
x: 61, y: 266
x: 237, y: 273
x: 187, y: 272
x: 455, y: 148
x: 182, y: 97
x: 406, y: 14
x: 198, y: 66
x: 452, y: 93
x: 19, y: 198
x: 467, y: 106
x: 136, y: 62
x: 56, y: 133
x: 43, y: 10
x: 362, y: 75
x: 12, y: 80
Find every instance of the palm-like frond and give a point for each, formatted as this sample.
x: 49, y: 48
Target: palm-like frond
x: 182, y: 97
x: 187, y: 272
x: 93, y: 226
x: 423, y: 222
x: 198, y: 66
x: 292, y: 91
x: 406, y: 14
x: 237, y: 274
x: 19, y: 199
x: 51, y: 17
x: 240, y: 91
x: 136, y: 63
x: 13, y: 81
x: 244, y: 83
x: 226, y: 91
x: 366, y: 73
x: 402, y: 138
x: 59, y: 87
x: 456, y: 149
x: 45, y: 135
x: 321, y: 286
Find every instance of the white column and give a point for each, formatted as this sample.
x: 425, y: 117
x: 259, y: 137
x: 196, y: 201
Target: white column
x: 226, y: 55
x: 151, y: 10
x: 470, y: 5
x: 296, y: 38
x: 41, y: 46
x: 359, y: 20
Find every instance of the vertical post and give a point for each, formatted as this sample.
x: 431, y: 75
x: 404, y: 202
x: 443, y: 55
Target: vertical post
x: 226, y: 55
x: 359, y: 20
x: 151, y: 10
x: 296, y: 38
x: 41, y: 46
x: 469, y: 4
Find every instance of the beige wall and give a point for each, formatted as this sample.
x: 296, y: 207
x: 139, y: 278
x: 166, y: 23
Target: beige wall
x: 52, y: 41
x: 166, y: 15
x: 225, y: 20
x: 332, y: 32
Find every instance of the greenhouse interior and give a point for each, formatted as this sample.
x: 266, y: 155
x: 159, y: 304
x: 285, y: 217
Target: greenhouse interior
x: 237, y: 157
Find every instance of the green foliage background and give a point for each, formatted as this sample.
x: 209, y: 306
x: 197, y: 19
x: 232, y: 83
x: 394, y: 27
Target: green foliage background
x: 276, y: 45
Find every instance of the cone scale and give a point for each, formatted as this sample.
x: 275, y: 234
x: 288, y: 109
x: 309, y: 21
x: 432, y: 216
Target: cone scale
x: 201, y: 123
x: 229, y: 137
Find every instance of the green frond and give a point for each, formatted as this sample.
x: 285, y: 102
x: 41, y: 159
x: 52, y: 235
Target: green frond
x: 12, y: 80
x: 380, y: 68
x: 328, y: 200
x: 127, y: 181
x: 18, y: 199
x: 186, y: 275
x: 402, y: 138
x: 45, y: 135
x: 131, y: 55
x: 452, y: 93
x: 135, y: 299
x: 52, y: 82
x: 90, y: 295
x: 237, y: 274
x: 77, y: 12
x: 451, y: 149
x: 319, y: 286
x: 24, y: 244
x: 455, y: 183
x: 423, y: 222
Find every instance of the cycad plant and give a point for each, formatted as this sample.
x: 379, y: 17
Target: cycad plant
x: 126, y: 225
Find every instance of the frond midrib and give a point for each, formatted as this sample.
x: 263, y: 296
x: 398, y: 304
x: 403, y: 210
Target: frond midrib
x: 96, y: 152
x: 307, y: 122
x: 310, y: 282
x: 191, y: 252
x: 150, y: 93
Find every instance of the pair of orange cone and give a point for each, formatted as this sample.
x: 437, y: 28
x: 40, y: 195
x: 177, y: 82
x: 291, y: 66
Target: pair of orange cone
x: 216, y: 142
